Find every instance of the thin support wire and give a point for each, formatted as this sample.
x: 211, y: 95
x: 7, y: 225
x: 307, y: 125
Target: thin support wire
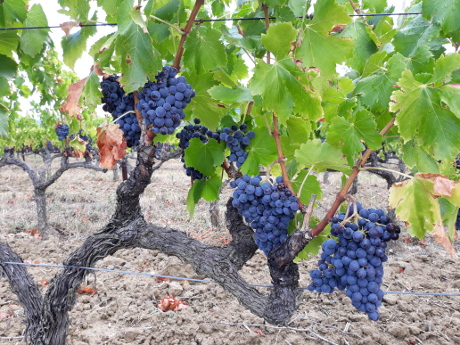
x: 217, y: 20
x: 207, y: 281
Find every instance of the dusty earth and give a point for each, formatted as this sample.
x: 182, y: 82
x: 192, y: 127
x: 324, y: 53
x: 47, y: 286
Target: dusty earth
x: 124, y: 309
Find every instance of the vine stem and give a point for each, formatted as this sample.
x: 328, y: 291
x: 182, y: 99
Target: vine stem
x: 178, y: 30
x: 188, y: 28
x: 341, y: 195
x: 122, y: 116
x: 276, y: 133
x: 386, y: 169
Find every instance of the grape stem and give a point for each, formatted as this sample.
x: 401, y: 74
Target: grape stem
x: 188, y: 28
x: 178, y: 30
x: 386, y: 169
x: 305, y: 180
x: 120, y: 117
x: 308, y: 213
x: 341, y: 195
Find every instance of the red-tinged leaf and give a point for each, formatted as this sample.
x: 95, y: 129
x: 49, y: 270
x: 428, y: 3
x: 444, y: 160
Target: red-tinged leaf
x: 442, y: 185
x: 87, y: 290
x: 72, y: 106
x: 407, y: 239
x: 401, y: 269
x: 162, y: 279
x: 259, y: 332
x: 111, y: 144
x: 44, y: 282
x: 442, y: 238
x: 3, y: 315
x: 171, y: 303
x: 34, y: 233
x: 67, y: 26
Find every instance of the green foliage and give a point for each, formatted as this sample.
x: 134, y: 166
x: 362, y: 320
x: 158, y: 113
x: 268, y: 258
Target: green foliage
x: 329, y: 90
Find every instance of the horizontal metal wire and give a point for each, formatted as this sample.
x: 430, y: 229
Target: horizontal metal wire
x: 213, y: 20
x: 206, y: 281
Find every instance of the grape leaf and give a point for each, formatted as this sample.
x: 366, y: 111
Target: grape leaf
x: 443, y: 12
x: 204, y: 51
x: 279, y: 38
x: 306, y: 186
x: 227, y: 95
x: 74, y: 45
x: 421, y: 114
x: 365, y: 43
x: 414, y: 155
x: 204, y: 157
x: 417, y: 205
x: 375, y: 5
x: 4, y: 87
x: 298, y: 129
x: 8, y: 42
x: 12, y: 11
x: 319, y: 157
x: 139, y: 58
x: 285, y: 89
x: 208, y: 189
x: 444, y: 67
x: 450, y: 94
x: 8, y: 67
x: 418, y: 32
x: 111, y: 145
x: 32, y: 40
x: 261, y: 150
x: 72, y: 104
x: 318, y: 43
x: 348, y: 134
x: 203, y: 106
x: 375, y: 90
x: 449, y: 217
x: 78, y: 9
x: 336, y: 99
x: 91, y: 94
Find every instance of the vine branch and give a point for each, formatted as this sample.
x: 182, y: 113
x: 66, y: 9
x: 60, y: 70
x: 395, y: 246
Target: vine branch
x: 186, y: 31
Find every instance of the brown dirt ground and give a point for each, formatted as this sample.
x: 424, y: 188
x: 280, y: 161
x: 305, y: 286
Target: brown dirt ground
x: 124, y: 311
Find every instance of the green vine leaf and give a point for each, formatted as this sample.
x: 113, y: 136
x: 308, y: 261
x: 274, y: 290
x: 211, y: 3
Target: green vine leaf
x: 12, y: 11
x: 279, y: 39
x: 227, y: 95
x: 443, y: 12
x: 261, y: 151
x: 204, y: 50
x: 318, y: 42
x: 32, y: 40
x: 360, y: 129
x: 421, y: 114
x: 285, y: 89
x: 208, y: 189
x: 8, y: 67
x: 321, y: 156
x: 74, y: 45
x: 8, y: 42
x: 204, y: 157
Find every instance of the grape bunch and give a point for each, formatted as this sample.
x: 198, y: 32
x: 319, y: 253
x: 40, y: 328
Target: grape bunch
x: 118, y: 103
x: 62, y: 131
x: 354, y: 261
x: 162, y: 102
x: 457, y: 222
x: 194, y: 131
x: 267, y: 208
x: 237, y: 140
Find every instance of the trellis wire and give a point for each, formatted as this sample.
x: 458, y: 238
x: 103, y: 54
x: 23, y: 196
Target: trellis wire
x: 216, y: 20
x: 206, y: 281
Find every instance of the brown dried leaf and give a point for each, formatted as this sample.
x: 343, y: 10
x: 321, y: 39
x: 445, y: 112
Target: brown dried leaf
x: 67, y: 26
x: 441, y: 237
x: 171, y: 303
x: 71, y: 106
x: 111, y: 144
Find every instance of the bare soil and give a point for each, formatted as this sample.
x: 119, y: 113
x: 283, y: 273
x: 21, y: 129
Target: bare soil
x: 124, y: 309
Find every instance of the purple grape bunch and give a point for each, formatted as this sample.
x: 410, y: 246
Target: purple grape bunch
x: 266, y: 207
x: 62, y: 131
x: 237, y: 140
x: 117, y: 102
x: 353, y: 259
x: 161, y: 102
